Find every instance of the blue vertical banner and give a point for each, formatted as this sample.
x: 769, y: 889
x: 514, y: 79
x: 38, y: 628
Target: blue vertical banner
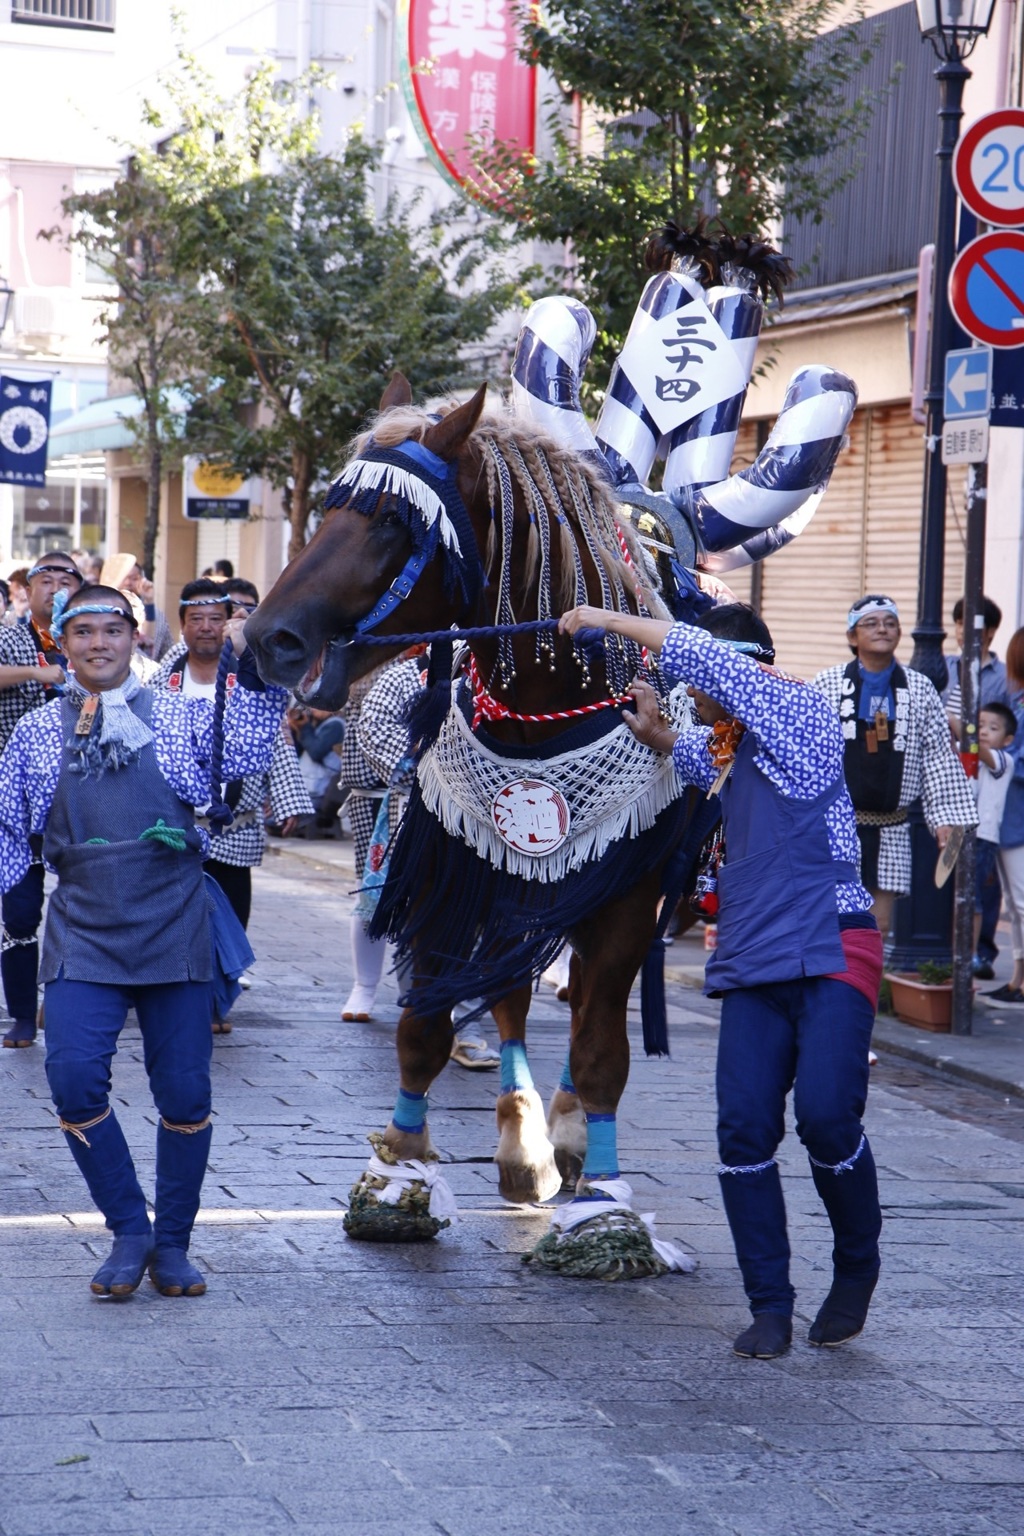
x: 24, y: 430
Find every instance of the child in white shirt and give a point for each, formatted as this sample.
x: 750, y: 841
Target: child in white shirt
x: 997, y: 726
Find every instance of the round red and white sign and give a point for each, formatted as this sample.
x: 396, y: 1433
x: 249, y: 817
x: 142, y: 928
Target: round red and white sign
x: 531, y: 816
x: 988, y: 167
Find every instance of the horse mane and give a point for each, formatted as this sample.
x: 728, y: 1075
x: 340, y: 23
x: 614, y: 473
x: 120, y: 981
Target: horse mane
x: 566, y: 486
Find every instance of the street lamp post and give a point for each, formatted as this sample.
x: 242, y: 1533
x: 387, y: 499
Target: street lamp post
x: 952, y: 27
x: 923, y: 922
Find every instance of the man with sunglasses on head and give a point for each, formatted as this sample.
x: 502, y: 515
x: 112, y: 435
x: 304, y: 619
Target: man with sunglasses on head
x: 897, y: 749
x: 32, y: 672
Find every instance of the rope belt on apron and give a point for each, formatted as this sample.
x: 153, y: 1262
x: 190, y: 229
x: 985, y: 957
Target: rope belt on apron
x: 881, y: 818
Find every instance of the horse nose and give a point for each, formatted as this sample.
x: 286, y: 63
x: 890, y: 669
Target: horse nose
x: 284, y: 646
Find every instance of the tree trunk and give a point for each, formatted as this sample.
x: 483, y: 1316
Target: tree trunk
x: 298, y: 505
x: 154, y: 447
x: 156, y: 464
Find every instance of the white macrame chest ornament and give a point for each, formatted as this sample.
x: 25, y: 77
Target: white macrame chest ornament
x: 542, y: 818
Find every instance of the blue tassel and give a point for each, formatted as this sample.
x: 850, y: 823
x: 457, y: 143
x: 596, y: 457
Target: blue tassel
x: 483, y: 930
x: 426, y: 712
x: 653, y: 1011
x: 679, y: 877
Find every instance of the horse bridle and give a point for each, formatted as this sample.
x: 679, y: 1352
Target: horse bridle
x: 404, y: 583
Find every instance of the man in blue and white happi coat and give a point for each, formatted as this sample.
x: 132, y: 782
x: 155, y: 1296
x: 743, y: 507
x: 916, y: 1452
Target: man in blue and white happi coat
x: 109, y: 775
x: 798, y: 960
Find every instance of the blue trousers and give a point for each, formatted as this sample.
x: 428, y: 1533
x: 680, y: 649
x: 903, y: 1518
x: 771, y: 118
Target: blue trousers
x: 988, y: 898
x: 811, y: 1036
x: 83, y: 1022
x: 19, y: 965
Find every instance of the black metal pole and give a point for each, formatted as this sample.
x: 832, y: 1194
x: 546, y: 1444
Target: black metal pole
x: 929, y: 632
x: 923, y: 921
x: 970, y: 697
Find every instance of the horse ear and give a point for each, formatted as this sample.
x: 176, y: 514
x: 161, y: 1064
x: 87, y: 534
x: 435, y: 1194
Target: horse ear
x: 448, y: 436
x: 398, y: 392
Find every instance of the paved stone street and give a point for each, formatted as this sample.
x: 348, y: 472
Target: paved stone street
x: 330, y: 1387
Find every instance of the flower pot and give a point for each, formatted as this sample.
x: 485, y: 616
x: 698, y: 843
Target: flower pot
x: 916, y: 1002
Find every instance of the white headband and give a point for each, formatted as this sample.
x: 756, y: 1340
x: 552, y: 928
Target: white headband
x: 874, y: 603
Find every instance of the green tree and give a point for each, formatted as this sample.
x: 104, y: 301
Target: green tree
x: 252, y: 275
x: 128, y: 231
x: 718, y: 106
x: 317, y: 302
x: 305, y: 301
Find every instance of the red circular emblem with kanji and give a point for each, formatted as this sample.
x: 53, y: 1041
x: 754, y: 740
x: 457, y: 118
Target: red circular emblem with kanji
x: 531, y: 816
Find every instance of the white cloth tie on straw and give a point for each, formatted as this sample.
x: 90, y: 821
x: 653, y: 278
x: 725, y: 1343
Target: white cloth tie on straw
x: 401, y: 1176
x: 619, y: 1198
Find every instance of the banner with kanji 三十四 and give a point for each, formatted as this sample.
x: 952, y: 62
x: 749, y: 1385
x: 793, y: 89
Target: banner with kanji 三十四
x: 466, y: 85
x: 24, y: 430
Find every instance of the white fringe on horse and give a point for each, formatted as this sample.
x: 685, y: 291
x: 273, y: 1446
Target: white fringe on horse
x: 614, y: 788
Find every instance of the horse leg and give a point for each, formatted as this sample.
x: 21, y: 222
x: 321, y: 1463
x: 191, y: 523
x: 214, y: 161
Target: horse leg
x: 567, y: 1124
x: 400, y: 1197
x: 598, y: 1235
x: 424, y: 1046
x: 526, y: 1164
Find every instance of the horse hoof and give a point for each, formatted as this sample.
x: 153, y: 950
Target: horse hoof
x: 567, y: 1132
x: 527, y: 1171
x: 397, y: 1200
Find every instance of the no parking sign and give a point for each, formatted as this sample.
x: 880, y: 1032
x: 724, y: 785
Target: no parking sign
x: 986, y: 288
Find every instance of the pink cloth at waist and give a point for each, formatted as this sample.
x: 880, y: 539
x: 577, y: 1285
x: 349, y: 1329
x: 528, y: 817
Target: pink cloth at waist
x: 863, y: 950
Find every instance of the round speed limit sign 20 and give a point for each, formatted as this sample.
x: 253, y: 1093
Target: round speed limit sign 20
x: 988, y: 167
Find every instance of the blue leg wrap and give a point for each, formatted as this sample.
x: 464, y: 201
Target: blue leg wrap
x: 565, y: 1081
x: 515, y: 1069
x: 602, y: 1159
x: 410, y: 1111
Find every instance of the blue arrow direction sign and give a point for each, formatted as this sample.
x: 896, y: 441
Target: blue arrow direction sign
x: 968, y: 389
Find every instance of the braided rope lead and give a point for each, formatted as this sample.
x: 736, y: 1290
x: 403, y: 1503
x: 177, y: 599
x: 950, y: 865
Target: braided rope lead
x: 481, y: 632
x: 220, y: 815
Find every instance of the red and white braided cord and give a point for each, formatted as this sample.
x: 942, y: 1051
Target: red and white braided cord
x: 487, y: 707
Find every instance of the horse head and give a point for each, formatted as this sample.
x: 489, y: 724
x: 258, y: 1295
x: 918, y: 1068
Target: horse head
x: 389, y: 513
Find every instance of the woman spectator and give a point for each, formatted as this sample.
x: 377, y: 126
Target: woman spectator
x: 1011, y: 832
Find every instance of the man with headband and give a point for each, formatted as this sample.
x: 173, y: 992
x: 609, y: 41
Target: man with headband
x: 31, y: 673
x: 897, y: 748
x: 798, y: 961
x: 108, y: 774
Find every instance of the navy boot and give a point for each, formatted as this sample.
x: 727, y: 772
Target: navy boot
x: 850, y: 1198
x: 101, y: 1153
x: 181, y: 1158
x: 756, y: 1213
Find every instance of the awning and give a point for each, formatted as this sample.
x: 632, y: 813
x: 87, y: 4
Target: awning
x: 105, y: 425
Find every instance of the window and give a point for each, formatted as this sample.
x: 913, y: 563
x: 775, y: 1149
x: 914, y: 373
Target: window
x: 97, y: 14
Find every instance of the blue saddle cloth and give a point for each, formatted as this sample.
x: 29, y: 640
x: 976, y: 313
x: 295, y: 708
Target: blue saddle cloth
x: 232, y: 953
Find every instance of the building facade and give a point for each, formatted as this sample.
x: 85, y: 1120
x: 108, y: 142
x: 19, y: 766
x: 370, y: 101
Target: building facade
x: 858, y: 305
x: 76, y: 75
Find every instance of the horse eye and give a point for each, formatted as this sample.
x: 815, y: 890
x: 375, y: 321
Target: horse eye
x: 388, y: 515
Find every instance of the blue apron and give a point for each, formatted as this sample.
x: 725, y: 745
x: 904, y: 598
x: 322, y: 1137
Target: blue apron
x: 125, y: 912
x: 777, y: 916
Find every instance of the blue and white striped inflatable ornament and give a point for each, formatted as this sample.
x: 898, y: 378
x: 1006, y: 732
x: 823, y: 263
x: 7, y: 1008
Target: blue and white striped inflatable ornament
x: 626, y: 432
x: 794, y: 465
x: 736, y: 519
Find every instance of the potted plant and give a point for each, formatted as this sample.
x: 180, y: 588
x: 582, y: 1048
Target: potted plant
x: 924, y: 997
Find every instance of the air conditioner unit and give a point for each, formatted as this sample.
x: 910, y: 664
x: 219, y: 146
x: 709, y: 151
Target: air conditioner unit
x: 40, y: 321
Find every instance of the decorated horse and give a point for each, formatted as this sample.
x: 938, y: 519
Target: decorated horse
x: 536, y: 814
